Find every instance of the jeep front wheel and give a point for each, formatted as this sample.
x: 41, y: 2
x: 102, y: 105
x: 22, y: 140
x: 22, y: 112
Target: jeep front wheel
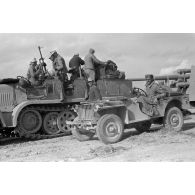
x: 110, y: 129
x: 173, y: 119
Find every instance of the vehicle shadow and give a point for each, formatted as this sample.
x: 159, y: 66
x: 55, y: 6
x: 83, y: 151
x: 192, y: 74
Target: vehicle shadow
x: 19, y: 140
x: 133, y: 132
x: 130, y: 133
x: 10, y: 141
x: 188, y: 126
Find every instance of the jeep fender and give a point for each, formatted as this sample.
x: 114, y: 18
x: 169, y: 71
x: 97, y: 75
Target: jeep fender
x: 173, y: 102
x: 120, y: 111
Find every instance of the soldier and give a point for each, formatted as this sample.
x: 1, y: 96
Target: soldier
x: 75, y: 65
x: 90, y: 62
x: 33, y: 73
x: 94, y: 93
x: 154, y: 93
x: 59, y: 66
x: 153, y: 89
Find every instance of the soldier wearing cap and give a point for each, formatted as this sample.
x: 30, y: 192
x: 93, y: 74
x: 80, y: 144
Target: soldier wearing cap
x: 75, y: 65
x: 33, y: 73
x: 93, y: 91
x: 154, y: 92
x: 59, y: 65
x: 153, y: 89
x: 90, y: 64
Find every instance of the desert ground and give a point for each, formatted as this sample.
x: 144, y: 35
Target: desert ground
x: 156, y: 145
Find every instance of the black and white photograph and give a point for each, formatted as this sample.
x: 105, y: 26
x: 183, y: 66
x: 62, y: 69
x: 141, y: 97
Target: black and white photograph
x: 97, y: 97
x: 88, y: 97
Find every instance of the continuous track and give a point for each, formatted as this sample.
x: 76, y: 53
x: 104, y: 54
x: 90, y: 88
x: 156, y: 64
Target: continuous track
x: 18, y: 135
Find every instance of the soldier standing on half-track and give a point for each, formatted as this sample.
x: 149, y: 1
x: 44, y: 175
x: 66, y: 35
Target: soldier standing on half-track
x: 59, y: 66
x: 90, y: 62
x: 154, y: 92
x: 33, y: 73
x: 75, y: 65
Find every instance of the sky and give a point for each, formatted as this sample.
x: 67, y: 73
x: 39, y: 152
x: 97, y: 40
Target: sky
x: 136, y: 54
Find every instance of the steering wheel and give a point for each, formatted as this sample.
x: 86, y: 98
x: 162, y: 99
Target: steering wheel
x: 25, y: 79
x: 139, y: 92
x: 21, y: 77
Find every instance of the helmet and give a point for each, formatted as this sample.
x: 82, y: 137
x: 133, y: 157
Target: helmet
x: 52, y: 53
x: 34, y: 60
x: 91, y: 51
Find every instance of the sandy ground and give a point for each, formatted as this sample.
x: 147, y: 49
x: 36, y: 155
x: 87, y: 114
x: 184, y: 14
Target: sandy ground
x: 156, y: 145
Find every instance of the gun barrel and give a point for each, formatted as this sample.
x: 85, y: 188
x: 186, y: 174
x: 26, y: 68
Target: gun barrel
x: 40, y: 53
x: 183, y: 71
x: 164, y: 77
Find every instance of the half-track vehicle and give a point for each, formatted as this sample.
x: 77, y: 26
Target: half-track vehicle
x: 108, y: 119
x: 36, y: 111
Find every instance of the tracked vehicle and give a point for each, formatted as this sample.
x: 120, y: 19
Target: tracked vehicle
x: 44, y: 110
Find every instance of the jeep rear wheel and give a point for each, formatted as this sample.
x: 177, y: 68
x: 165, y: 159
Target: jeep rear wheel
x: 110, y: 129
x: 173, y: 119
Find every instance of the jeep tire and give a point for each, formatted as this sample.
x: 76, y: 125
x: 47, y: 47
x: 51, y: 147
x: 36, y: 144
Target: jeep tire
x: 173, y: 119
x: 110, y: 129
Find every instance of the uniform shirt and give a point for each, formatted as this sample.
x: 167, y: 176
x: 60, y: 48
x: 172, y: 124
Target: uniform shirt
x: 59, y: 64
x: 153, y: 90
x: 32, y: 73
x: 75, y: 62
x: 94, y: 93
x: 90, y: 60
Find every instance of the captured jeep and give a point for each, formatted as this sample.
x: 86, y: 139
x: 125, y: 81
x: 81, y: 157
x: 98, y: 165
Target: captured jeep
x: 109, y: 118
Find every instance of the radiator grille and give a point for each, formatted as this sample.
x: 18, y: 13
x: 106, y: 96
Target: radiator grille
x: 85, y: 112
x: 6, y: 99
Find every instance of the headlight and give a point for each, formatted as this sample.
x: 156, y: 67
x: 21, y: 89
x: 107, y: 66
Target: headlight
x: 96, y: 107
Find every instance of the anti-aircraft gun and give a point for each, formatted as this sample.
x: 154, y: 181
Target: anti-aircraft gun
x: 174, y: 83
x: 40, y: 111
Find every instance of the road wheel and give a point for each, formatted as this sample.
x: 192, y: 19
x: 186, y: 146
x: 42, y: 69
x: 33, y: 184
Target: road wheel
x: 110, y: 129
x: 50, y: 123
x: 29, y: 122
x: 67, y: 115
x: 173, y: 119
x: 143, y: 126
